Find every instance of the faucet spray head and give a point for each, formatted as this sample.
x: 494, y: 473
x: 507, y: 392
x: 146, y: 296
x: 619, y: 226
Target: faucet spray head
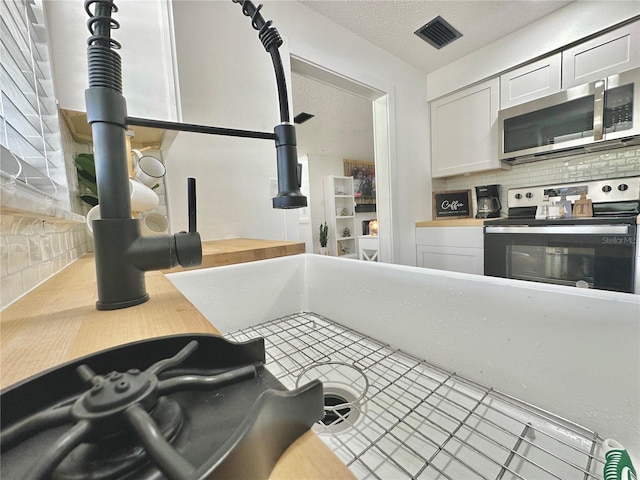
x: 289, y: 195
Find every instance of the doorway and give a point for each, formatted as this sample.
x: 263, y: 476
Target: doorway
x: 365, y: 135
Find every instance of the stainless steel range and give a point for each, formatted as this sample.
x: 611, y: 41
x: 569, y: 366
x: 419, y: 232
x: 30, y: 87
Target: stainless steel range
x: 581, y: 234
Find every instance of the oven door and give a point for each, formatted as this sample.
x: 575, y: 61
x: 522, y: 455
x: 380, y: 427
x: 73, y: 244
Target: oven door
x: 589, y: 256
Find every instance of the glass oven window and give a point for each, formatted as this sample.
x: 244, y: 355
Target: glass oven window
x: 560, y: 265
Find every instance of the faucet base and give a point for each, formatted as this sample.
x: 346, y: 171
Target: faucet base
x: 120, y: 280
x: 116, y: 305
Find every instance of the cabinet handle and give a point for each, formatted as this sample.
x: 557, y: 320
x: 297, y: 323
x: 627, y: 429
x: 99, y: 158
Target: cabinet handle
x: 598, y: 110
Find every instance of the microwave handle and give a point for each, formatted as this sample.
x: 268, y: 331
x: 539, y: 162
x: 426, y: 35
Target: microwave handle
x: 598, y: 110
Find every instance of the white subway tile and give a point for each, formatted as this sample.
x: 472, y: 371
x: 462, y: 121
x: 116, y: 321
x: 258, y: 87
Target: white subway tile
x: 6, y: 224
x: 55, y: 244
x: 18, y: 253
x: 30, y: 277
x: 56, y: 265
x: 35, y: 249
x: 47, y: 248
x: 44, y: 270
x: 49, y: 227
x: 37, y: 228
x: 617, y: 163
x: 64, y: 242
x: 627, y: 154
x: 11, y: 289
x: 4, y: 258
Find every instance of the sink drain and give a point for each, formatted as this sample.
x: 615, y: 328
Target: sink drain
x: 337, y: 414
x: 345, y: 386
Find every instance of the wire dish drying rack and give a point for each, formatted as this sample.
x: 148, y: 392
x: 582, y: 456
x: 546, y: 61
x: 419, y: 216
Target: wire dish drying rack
x: 420, y: 421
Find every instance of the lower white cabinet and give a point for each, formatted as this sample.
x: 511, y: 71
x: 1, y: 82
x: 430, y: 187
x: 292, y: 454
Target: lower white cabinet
x: 456, y: 249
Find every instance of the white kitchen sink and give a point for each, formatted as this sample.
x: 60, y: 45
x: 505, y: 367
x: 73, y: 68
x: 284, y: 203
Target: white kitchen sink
x: 569, y: 351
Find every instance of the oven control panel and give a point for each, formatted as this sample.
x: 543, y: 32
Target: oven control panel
x: 607, y: 190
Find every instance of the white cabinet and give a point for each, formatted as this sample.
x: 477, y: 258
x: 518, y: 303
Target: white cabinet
x: 456, y: 249
x: 339, y: 204
x: 464, y: 131
x: 607, y: 54
x: 530, y: 82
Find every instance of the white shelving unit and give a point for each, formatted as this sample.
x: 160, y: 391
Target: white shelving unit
x: 339, y: 205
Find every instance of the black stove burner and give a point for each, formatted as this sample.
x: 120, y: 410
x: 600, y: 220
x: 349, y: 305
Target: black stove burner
x: 184, y: 417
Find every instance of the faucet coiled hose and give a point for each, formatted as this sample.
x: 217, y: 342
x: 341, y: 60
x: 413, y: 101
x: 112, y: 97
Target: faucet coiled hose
x: 271, y: 40
x: 104, y: 63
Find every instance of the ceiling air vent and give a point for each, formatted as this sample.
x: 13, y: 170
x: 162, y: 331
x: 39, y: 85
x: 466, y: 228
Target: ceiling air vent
x: 438, y: 33
x: 302, y: 117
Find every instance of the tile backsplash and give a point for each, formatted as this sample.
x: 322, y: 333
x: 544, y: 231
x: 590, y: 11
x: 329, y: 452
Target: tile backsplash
x: 623, y: 162
x: 35, y: 247
x: 32, y: 250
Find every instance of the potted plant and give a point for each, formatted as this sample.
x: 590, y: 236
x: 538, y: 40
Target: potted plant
x: 324, y: 238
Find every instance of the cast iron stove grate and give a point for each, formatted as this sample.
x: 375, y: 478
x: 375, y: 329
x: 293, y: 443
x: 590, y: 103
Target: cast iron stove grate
x: 211, y: 410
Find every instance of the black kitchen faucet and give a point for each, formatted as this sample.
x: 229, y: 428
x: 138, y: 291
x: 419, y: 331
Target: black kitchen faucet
x: 122, y: 254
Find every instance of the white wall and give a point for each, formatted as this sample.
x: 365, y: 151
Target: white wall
x: 147, y: 62
x: 226, y: 79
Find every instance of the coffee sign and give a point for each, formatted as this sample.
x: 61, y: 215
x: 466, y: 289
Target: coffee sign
x: 452, y: 204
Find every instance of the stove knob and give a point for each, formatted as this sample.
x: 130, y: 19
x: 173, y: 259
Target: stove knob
x: 529, y: 195
x: 606, y: 188
x: 623, y: 186
x: 518, y: 196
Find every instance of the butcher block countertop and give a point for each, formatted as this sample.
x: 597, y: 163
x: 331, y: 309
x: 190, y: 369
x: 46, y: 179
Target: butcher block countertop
x: 216, y: 253
x: 58, y: 322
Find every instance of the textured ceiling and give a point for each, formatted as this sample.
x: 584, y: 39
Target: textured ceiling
x: 390, y: 24
x: 343, y: 123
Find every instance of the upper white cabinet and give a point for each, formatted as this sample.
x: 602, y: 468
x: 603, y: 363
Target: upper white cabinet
x: 535, y: 80
x: 608, y: 54
x: 464, y: 130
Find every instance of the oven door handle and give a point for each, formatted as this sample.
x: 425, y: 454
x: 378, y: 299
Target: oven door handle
x: 561, y: 229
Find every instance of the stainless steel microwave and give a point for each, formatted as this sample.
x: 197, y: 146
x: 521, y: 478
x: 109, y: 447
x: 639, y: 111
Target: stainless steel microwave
x: 598, y: 115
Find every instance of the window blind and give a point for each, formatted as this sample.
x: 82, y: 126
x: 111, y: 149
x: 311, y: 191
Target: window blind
x: 31, y: 153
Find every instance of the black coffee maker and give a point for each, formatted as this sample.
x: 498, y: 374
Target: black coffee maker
x: 488, y: 201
